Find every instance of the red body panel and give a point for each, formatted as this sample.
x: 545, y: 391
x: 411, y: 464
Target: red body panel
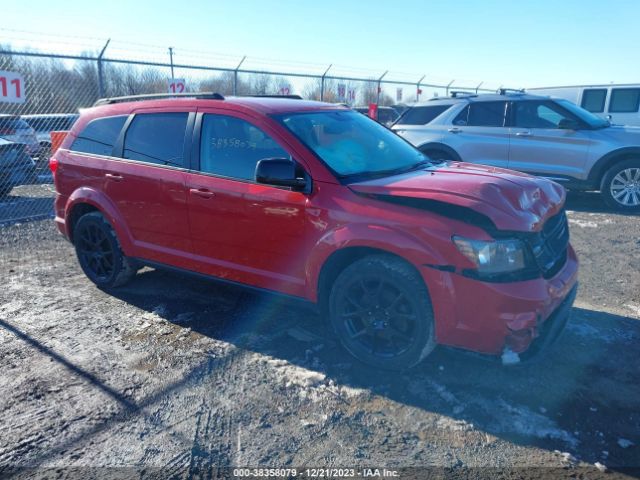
x: 279, y: 239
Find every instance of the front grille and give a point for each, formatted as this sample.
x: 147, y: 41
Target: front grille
x: 550, y: 245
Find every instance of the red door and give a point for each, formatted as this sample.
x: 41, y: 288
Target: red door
x: 148, y: 186
x: 241, y: 230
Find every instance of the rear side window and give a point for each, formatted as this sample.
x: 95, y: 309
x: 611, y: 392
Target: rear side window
x: 482, y: 114
x: 422, y: 115
x: 624, y: 100
x: 99, y: 136
x: 10, y: 124
x: 231, y: 147
x: 156, y: 138
x: 593, y: 99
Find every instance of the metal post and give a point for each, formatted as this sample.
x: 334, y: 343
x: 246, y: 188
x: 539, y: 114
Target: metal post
x: 235, y: 76
x: 418, y: 88
x: 100, y: 79
x: 380, y: 81
x: 322, y: 82
x: 171, y: 61
x: 478, y: 87
x: 447, y: 88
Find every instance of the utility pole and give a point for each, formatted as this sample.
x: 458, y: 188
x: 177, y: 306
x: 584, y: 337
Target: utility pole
x: 379, y: 87
x: 418, y: 88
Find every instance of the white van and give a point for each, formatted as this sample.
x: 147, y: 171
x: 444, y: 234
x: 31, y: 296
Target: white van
x: 620, y: 103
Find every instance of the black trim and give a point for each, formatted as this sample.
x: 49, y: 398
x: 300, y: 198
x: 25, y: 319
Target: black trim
x: 118, y: 147
x: 225, y: 281
x: 157, y: 96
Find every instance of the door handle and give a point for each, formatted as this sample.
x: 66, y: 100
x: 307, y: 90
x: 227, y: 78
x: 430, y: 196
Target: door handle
x: 454, y: 130
x: 523, y: 134
x: 114, y: 177
x: 202, y: 192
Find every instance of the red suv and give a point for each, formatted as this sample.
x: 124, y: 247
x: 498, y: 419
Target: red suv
x: 316, y: 201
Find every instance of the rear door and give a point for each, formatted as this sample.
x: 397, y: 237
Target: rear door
x: 538, y: 144
x: 244, y: 231
x: 147, y: 183
x: 479, y: 135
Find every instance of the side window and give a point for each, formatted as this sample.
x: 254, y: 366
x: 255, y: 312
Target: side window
x: 99, y: 135
x: 231, y: 147
x: 624, y: 100
x: 461, y: 118
x: 593, y: 99
x: 538, y: 115
x: 486, y: 114
x: 156, y: 138
x: 422, y: 115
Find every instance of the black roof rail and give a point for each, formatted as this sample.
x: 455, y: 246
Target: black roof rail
x: 462, y: 93
x: 153, y: 96
x: 504, y: 91
x: 294, y: 97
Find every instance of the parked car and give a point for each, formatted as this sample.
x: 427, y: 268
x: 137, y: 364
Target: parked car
x: 319, y: 202
x: 15, y: 129
x: 16, y: 167
x: 386, y: 115
x: 620, y: 104
x: 542, y: 136
x: 45, y: 124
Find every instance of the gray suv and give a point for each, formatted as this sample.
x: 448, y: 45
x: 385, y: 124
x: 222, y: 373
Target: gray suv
x: 542, y: 136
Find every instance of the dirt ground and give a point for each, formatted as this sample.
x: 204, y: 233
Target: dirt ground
x: 175, y: 376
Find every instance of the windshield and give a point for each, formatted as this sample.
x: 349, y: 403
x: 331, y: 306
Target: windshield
x: 589, y: 118
x: 352, y: 144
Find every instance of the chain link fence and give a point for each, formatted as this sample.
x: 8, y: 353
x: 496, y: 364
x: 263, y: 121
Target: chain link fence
x: 43, y: 92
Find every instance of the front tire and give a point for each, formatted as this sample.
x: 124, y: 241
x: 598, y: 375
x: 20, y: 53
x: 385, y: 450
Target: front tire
x: 99, y: 252
x: 620, y: 187
x: 381, y: 312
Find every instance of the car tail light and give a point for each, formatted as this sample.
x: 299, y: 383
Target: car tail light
x: 53, y: 165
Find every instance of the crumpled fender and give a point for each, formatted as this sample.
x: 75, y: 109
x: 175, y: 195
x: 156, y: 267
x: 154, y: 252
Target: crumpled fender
x: 99, y: 200
x: 380, y: 237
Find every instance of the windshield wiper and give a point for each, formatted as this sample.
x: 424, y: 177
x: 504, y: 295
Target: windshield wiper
x: 390, y: 171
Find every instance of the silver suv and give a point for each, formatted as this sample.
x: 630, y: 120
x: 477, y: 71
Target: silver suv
x: 542, y: 136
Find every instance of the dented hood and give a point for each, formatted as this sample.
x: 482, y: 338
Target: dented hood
x: 511, y: 200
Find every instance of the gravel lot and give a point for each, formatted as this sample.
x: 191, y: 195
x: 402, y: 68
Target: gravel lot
x: 184, y: 375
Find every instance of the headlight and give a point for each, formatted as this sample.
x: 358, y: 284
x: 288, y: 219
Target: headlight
x: 494, y: 257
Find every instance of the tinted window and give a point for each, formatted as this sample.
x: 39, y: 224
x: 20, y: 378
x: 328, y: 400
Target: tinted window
x: 387, y: 115
x: 231, y: 147
x: 12, y: 123
x: 538, y: 115
x: 593, y: 99
x: 99, y: 136
x: 156, y: 138
x: 486, y: 114
x: 422, y: 115
x: 624, y: 100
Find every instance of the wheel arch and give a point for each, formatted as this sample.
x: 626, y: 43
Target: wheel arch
x: 604, y: 163
x: 341, y: 248
x: 85, y: 200
x: 440, y: 146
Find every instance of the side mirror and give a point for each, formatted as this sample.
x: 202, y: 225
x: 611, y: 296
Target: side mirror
x: 280, y: 172
x: 568, y: 124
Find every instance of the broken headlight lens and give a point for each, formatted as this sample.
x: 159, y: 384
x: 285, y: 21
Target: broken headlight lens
x: 493, y: 257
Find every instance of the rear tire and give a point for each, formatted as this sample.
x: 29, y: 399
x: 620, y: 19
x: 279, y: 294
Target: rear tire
x: 381, y: 312
x: 620, y: 187
x: 99, y: 253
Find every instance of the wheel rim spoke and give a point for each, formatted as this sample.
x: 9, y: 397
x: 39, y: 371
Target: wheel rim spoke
x: 378, y: 316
